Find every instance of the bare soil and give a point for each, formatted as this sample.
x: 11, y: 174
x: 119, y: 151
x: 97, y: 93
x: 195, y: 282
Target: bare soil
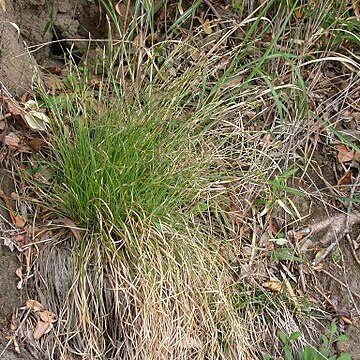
x: 10, y: 295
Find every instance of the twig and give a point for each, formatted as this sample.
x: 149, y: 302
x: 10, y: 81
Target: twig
x: 326, y: 298
x: 302, y: 279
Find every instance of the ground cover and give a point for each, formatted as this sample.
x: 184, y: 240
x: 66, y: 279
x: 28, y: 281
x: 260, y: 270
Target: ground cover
x: 189, y: 188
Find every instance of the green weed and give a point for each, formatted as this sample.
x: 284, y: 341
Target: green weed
x: 309, y: 352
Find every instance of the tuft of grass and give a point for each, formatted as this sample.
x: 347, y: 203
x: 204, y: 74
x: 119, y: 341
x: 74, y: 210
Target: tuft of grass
x: 161, y: 165
x: 148, y: 272
x: 120, y: 165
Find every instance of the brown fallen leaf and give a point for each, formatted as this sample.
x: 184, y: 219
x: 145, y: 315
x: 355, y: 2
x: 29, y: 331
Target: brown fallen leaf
x: 24, y: 149
x: 346, y: 179
x: 319, y: 267
x: 346, y: 320
x: 16, y: 220
x: 3, y: 5
x: 13, y: 108
x: 273, y: 227
x: 47, y: 316
x: 16, y: 346
x: 36, y: 143
x: 312, y: 299
x: 298, y: 235
x: 8, y: 206
x: 289, y: 289
x: 26, y: 96
x: 138, y: 40
x: 75, y: 230
x: 233, y: 83
x: 18, y: 272
x: 55, y: 70
x: 298, y: 12
x: 96, y: 105
x: 195, y: 55
x: 41, y: 329
x: 14, y: 324
x: 19, y: 239
x: 44, y: 175
x: 274, y: 286
x: 266, y: 140
x: 207, y: 27
x: 34, y: 305
x: 12, y: 141
x: 19, y: 221
x: 53, y: 84
x: 344, y: 153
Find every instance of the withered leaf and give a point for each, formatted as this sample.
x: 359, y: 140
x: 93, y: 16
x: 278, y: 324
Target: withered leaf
x: 273, y: 226
x: 3, y: 5
x: 207, y: 27
x: 16, y: 346
x: 344, y: 153
x: 36, y: 120
x: 274, y: 286
x: 34, y: 305
x: 19, y: 221
x: 47, y: 316
x: 12, y: 141
x: 346, y: 320
x: 36, y: 143
x: 18, y: 272
x: 346, y: 179
x: 41, y: 329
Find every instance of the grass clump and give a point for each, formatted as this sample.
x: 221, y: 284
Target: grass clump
x: 119, y: 166
x: 170, y: 168
x: 138, y: 177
